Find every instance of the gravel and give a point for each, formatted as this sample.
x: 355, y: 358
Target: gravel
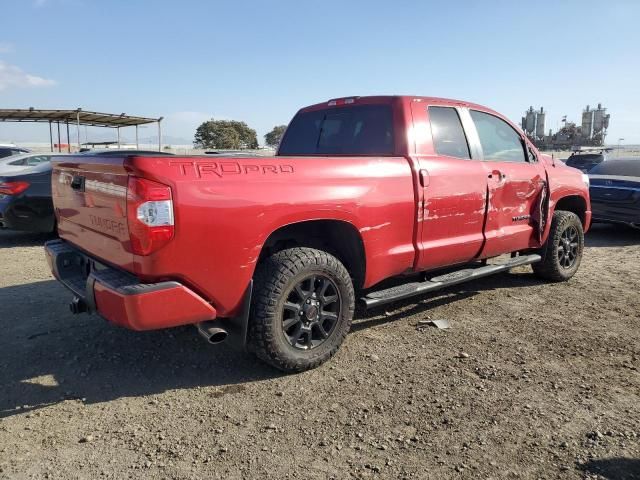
x: 532, y: 380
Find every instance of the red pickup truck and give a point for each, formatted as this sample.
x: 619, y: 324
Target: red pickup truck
x: 274, y: 252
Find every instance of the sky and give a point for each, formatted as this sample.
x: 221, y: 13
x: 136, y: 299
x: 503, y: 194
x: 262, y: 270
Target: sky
x: 260, y: 61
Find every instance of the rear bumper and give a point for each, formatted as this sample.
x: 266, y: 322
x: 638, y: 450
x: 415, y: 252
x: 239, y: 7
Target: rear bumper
x: 120, y: 298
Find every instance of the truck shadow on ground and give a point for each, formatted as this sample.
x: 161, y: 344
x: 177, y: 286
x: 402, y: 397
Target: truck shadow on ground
x: 49, y: 356
x: 614, y: 468
x: 9, y: 239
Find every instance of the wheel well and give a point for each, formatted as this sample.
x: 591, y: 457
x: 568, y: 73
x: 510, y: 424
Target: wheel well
x: 575, y: 204
x: 336, y: 237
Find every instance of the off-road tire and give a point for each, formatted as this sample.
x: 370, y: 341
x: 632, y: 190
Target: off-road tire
x: 274, y: 279
x: 550, y: 267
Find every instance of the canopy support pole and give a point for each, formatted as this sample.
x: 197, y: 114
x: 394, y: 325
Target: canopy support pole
x: 160, y: 134
x: 78, y: 125
x: 137, y: 146
x: 59, y: 147
x: 51, y: 136
x: 68, y: 139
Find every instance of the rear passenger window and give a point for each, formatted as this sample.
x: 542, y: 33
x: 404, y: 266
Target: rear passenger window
x: 448, y: 135
x: 499, y: 140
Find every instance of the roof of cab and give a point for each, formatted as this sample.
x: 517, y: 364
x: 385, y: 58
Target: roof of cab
x: 382, y: 99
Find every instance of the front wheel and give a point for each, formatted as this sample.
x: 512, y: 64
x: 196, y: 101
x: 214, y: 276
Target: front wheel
x: 562, y: 252
x: 302, y: 308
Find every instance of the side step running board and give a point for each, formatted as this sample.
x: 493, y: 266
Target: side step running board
x: 407, y: 290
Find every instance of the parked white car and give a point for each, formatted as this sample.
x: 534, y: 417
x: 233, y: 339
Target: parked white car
x: 22, y: 162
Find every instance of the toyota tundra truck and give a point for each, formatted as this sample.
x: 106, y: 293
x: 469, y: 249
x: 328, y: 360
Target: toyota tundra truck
x: 369, y: 200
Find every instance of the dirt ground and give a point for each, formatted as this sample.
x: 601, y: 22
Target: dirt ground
x: 532, y: 380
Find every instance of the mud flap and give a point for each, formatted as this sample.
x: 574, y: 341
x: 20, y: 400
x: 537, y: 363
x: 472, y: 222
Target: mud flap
x: 238, y: 326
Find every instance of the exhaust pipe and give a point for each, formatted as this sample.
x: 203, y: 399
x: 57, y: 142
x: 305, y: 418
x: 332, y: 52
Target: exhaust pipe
x: 212, y: 332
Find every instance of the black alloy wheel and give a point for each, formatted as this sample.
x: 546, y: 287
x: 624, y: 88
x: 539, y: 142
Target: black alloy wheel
x: 562, y: 252
x: 311, y: 312
x: 301, y: 310
x: 568, y: 247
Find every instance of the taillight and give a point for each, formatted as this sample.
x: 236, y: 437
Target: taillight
x: 149, y: 215
x: 13, y: 188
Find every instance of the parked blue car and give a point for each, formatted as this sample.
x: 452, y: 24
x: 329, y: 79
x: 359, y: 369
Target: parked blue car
x: 615, y: 191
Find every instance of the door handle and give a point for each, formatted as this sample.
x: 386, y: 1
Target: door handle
x: 498, y: 175
x: 77, y: 183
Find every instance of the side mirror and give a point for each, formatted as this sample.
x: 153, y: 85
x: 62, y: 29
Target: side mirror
x: 529, y: 152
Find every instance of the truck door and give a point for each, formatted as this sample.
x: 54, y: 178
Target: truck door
x: 516, y: 186
x: 452, y: 188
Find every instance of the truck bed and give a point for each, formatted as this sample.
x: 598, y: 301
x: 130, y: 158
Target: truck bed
x: 227, y: 207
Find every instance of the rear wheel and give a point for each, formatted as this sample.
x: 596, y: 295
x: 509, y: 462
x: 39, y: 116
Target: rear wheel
x: 302, y: 309
x: 562, y: 252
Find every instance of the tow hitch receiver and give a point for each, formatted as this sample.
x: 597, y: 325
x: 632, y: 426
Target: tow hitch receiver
x: 77, y: 306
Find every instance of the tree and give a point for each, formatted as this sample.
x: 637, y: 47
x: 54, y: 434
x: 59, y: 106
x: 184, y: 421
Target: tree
x: 274, y: 136
x: 225, y: 134
x: 248, y: 136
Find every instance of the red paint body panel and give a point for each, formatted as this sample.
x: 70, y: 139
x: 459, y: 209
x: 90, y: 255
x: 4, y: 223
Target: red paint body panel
x: 94, y: 220
x: 414, y: 211
x: 165, y: 308
x: 515, y: 195
x: 223, y: 221
x: 453, y: 203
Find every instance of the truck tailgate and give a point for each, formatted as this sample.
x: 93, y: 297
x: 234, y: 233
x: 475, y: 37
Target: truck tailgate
x: 90, y: 198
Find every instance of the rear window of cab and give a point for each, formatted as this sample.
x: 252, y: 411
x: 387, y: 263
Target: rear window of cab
x: 353, y: 130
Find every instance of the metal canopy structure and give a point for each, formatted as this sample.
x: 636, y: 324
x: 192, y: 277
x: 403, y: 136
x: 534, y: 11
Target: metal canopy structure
x: 78, y: 117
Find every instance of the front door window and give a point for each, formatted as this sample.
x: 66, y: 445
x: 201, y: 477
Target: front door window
x: 499, y: 141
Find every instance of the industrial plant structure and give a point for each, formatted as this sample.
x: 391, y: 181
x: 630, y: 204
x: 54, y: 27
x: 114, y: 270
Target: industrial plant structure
x: 590, y: 133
